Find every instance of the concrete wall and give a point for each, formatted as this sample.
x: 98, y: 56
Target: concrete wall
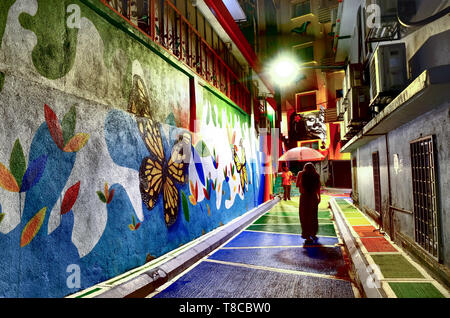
x: 436, y: 123
x: 76, y: 165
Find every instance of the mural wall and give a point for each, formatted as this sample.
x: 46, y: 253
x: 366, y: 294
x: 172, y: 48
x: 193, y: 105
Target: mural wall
x: 97, y: 168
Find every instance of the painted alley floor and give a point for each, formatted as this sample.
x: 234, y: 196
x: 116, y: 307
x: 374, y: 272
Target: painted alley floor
x: 268, y: 259
x: 399, y: 275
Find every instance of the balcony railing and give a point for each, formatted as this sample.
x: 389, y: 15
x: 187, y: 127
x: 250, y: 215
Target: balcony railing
x: 163, y: 23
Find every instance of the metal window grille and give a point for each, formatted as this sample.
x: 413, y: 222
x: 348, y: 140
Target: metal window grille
x: 376, y: 181
x: 424, y: 193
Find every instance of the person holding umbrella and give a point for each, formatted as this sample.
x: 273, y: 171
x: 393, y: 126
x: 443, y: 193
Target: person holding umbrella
x: 308, y: 182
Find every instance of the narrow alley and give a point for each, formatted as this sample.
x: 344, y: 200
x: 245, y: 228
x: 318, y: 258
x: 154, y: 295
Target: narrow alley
x: 269, y: 259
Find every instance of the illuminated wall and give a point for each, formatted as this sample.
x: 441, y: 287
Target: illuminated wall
x: 97, y: 168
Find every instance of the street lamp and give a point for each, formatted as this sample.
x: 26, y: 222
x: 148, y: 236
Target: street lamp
x: 284, y: 70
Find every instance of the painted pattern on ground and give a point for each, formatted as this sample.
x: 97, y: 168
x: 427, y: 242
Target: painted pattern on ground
x: 400, y: 276
x: 266, y: 258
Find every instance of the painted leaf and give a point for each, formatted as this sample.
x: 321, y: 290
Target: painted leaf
x: 110, y: 196
x: 68, y: 124
x: 192, y: 200
x: 34, y: 173
x: 32, y: 228
x: 205, y: 192
x: 185, y: 205
x: 202, y: 149
x: 213, y: 115
x: 70, y: 197
x: 209, y: 210
x: 131, y: 227
x: 196, y: 191
x: 7, y: 180
x: 133, y: 220
x: 101, y: 196
x: 106, y: 191
x: 137, y: 226
x: 191, y: 185
x: 2, y: 215
x: 17, y: 163
x: 54, y: 126
x: 76, y: 143
x: 198, y: 166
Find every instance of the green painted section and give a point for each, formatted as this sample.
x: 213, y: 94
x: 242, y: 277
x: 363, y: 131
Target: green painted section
x: 54, y: 54
x: 415, y: 290
x: 224, y: 105
x: 321, y: 214
x: 353, y: 214
x: 89, y: 292
x: 285, y: 220
x: 324, y: 229
x: 2, y: 81
x: 396, y: 266
x: 5, y: 5
x: 277, y: 220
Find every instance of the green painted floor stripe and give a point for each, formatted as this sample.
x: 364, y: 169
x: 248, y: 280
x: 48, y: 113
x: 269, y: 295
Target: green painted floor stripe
x: 89, y: 292
x: 415, y: 290
x: 353, y: 214
x: 396, y: 266
x: 324, y: 229
x: 320, y: 214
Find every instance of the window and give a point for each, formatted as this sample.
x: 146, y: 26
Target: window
x: 426, y: 219
x: 305, y: 54
x: 311, y: 144
x: 306, y: 102
x: 300, y: 9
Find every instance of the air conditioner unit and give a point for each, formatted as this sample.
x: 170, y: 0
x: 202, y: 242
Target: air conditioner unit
x: 354, y: 73
x: 387, y: 74
x: 358, y: 108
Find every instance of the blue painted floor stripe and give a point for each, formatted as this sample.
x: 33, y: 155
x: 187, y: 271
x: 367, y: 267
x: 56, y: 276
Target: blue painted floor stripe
x: 318, y: 260
x: 212, y: 280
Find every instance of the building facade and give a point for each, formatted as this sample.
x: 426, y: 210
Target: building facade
x: 395, y: 107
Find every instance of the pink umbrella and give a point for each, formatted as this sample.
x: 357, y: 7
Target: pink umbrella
x: 301, y: 154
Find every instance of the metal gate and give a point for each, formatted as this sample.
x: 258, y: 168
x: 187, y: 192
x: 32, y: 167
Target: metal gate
x: 376, y: 181
x: 426, y: 219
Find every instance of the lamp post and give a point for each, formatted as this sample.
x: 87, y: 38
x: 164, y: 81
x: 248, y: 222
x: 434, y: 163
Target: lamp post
x: 283, y: 71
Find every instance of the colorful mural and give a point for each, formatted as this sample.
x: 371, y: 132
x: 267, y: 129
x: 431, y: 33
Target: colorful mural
x: 308, y: 125
x: 97, y: 169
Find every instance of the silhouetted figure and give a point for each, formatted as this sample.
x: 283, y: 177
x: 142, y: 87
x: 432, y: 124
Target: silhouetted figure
x: 308, y: 182
x: 286, y: 179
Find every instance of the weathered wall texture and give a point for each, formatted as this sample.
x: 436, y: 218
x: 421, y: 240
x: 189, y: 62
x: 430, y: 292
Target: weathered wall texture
x: 97, y: 168
x: 435, y: 123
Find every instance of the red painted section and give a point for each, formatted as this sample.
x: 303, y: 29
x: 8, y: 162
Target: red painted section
x: 377, y: 244
x: 366, y: 231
